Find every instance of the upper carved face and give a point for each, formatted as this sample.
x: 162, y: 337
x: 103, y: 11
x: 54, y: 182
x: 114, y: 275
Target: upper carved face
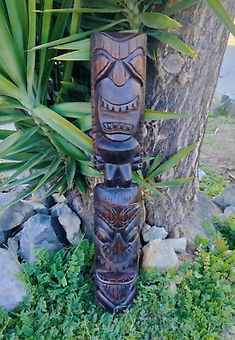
x: 119, y: 72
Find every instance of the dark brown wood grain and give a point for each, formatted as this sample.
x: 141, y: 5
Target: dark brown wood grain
x: 118, y: 89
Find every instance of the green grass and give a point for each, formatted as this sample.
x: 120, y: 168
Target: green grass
x: 61, y: 301
x: 213, y: 183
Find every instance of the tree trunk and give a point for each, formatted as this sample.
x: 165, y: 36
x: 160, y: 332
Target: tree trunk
x: 182, y: 84
x: 177, y: 83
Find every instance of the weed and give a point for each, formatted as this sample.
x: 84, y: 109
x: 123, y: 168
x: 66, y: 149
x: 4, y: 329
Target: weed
x: 213, y: 183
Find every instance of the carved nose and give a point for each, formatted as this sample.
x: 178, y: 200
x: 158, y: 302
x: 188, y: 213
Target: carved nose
x: 119, y: 74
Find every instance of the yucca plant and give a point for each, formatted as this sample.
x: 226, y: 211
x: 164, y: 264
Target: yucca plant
x: 44, y: 92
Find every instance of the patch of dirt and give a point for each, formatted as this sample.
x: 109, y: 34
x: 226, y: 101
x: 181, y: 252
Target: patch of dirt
x: 218, y: 150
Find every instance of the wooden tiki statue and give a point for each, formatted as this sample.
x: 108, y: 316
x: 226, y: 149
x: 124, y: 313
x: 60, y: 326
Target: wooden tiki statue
x: 118, y: 88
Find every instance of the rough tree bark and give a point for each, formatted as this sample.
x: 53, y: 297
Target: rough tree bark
x: 178, y: 83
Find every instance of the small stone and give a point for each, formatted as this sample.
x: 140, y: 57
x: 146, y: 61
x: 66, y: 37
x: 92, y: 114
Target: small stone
x: 226, y: 198
x: 59, y: 198
x: 37, y: 233
x: 158, y: 254
x: 175, y: 232
x: 69, y: 221
x: 201, y: 174
x: 178, y: 244
x: 229, y: 211
x: 154, y: 233
x: 146, y: 227
x: 173, y: 288
x: 12, y: 290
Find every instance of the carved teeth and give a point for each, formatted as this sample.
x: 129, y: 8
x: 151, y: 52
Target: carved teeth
x: 118, y: 126
x: 133, y: 104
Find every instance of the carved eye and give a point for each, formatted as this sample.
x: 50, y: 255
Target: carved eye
x: 101, y: 64
x: 138, y: 64
x: 102, y: 235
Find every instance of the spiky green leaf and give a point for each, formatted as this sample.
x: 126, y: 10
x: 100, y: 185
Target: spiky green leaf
x: 221, y: 12
x: 155, y: 115
x: 158, y: 20
x: 172, y: 161
x: 173, y: 41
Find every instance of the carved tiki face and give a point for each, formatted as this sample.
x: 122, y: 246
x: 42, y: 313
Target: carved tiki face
x: 117, y: 220
x: 118, y: 75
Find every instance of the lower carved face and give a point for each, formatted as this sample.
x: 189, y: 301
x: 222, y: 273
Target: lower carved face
x: 117, y: 253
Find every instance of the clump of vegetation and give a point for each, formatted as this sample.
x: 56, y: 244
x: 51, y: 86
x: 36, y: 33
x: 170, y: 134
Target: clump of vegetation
x: 213, y: 183
x: 222, y: 113
x: 226, y: 229
x: 194, y: 302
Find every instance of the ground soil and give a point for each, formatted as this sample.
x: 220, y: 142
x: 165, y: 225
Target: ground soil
x: 218, y: 150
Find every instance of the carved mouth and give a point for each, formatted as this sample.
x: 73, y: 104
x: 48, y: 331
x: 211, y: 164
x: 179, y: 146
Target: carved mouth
x: 117, y: 126
x: 120, y: 279
x: 132, y: 105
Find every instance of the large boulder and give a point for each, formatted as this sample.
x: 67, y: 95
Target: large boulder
x: 159, y: 254
x: 38, y: 232
x: 226, y: 198
x: 193, y: 225
x: 178, y: 244
x: 15, y: 215
x: 69, y: 221
x: 12, y: 290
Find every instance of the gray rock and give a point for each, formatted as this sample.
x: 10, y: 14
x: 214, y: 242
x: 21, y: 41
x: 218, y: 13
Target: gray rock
x: 229, y: 334
x: 15, y: 215
x: 158, y: 254
x: 69, y: 221
x: 7, y: 197
x: 2, y: 237
x: 58, y: 198
x: 12, y: 290
x: 13, y: 244
x: 37, y: 233
x: 205, y: 208
x: 84, y: 208
x: 154, y: 233
x: 145, y: 228
x: 39, y: 208
x: 178, y: 244
x: 229, y: 211
x: 227, y: 103
x: 192, y: 226
x: 226, y: 198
